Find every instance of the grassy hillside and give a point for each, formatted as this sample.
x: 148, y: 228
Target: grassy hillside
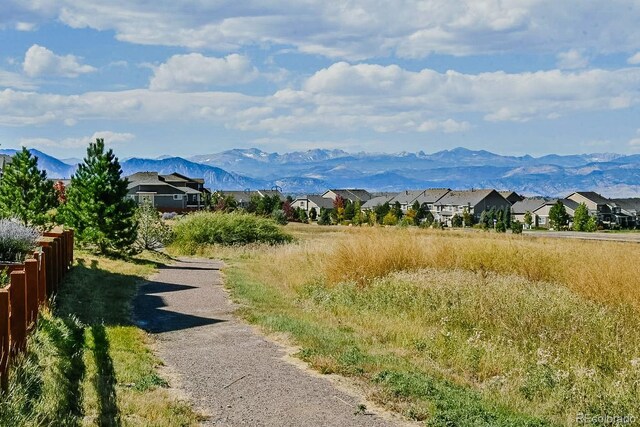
x: 87, y: 363
x: 456, y: 328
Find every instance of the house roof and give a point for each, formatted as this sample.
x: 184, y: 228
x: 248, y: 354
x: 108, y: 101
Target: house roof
x: 464, y: 197
x: 628, y: 204
x: 317, y: 199
x: 352, y: 194
x: 430, y: 195
x: 508, y: 194
x: 144, y: 177
x: 593, y: 196
x: 568, y: 203
x: 271, y: 193
x: 527, y: 205
x: 376, y: 201
x: 175, y: 177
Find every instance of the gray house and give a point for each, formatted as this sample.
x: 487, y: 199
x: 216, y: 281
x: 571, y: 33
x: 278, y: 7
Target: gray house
x: 160, y: 191
x: 475, y: 201
x: 351, y: 194
x: 312, y: 201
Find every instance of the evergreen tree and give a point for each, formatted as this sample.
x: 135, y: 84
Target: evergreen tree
x: 507, y: 216
x: 97, y: 204
x: 397, y: 210
x: 153, y: 233
x: 381, y: 211
x: 592, y: 224
x: 528, y: 219
x: 25, y: 192
x: 467, y: 218
x: 313, y: 214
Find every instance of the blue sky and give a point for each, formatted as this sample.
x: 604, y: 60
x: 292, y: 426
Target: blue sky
x: 194, y: 77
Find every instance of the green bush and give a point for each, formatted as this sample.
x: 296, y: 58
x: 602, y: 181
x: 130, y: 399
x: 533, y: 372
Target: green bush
x: 234, y: 228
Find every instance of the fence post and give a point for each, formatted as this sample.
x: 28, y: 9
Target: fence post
x: 71, y: 244
x: 42, y: 278
x: 31, y: 281
x: 46, y: 266
x: 4, y: 337
x: 18, y: 314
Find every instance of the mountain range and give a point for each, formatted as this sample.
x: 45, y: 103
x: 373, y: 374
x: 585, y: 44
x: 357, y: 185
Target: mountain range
x: 313, y: 171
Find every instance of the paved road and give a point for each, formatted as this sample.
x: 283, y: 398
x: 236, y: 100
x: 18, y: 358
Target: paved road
x: 229, y: 371
x: 613, y: 237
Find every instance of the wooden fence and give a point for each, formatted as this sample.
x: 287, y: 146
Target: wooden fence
x: 31, y: 285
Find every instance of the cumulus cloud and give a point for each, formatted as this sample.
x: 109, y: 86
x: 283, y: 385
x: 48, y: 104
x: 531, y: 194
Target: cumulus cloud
x: 110, y: 138
x: 10, y: 79
x: 635, y: 59
x: 362, y: 29
x: 350, y: 97
x: 25, y: 26
x: 39, y: 61
x: 186, y: 72
x: 572, y: 59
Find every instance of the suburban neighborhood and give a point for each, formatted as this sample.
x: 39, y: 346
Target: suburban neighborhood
x: 179, y: 193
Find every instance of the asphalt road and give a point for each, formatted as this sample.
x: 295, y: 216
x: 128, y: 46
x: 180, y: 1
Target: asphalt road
x: 229, y: 371
x: 613, y: 237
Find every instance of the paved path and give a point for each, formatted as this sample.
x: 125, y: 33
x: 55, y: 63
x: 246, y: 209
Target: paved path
x: 613, y: 237
x: 229, y: 371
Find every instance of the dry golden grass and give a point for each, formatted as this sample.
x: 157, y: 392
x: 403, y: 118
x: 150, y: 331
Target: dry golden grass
x: 544, y: 327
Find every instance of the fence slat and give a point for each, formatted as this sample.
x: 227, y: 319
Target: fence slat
x: 4, y: 337
x: 18, y: 310
x: 31, y: 277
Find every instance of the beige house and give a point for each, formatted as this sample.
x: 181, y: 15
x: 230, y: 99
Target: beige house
x: 542, y: 213
x: 520, y: 209
x: 425, y: 198
x: 351, y: 194
x: 312, y: 201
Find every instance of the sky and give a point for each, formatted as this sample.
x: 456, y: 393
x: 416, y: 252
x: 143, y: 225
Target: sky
x: 166, y: 77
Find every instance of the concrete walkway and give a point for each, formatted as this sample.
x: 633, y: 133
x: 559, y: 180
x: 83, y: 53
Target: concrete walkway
x: 230, y: 372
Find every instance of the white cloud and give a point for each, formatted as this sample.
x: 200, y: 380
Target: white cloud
x: 14, y: 80
x: 361, y: 29
x: 185, y: 72
x: 572, y: 59
x: 635, y: 59
x: 634, y: 143
x: 25, y: 26
x: 110, y: 138
x: 350, y: 98
x: 39, y: 61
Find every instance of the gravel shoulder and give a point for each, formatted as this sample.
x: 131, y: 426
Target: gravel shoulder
x: 230, y: 372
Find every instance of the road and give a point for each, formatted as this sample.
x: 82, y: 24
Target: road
x: 613, y: 237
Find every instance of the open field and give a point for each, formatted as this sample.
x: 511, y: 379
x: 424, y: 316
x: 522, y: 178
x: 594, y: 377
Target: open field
x: 455, y: 328
x: 87, y: 364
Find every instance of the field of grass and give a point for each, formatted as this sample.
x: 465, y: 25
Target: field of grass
x: 455, y: 328
x: 87, y: 363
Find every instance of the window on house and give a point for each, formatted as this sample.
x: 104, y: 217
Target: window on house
x: 177, y: 197
x: 542, y: 220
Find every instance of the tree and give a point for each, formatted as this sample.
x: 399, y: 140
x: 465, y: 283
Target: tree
x: 302, y: 215
x: 581, y: 217
x: 558, y: 216
x: 592, y: 224
x: 338, y: 209
x: 411, y: 217
x: 516, y: 227
x: 390, y: 219
x: 381, y: 211
x: 313, y: 214
x: 467, y: 218
x: 25, y: 192
x: 358, y: 217
x: 528, y: 219
x: 289, y: 212
x: 97, y: 203
x: 506, y: 218
x: 500, y: 226
x: 397, y: 210
x: 325, y: 217
x: 349, y: 210
x: 61, y: 192
x: 153, y: 233
x: 456, y: 221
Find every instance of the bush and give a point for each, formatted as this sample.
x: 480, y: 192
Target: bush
x: 153, y: 233
x: 16, y: 240
x: 234, y: 228
x: 516, y: 227
x: 279, y: 216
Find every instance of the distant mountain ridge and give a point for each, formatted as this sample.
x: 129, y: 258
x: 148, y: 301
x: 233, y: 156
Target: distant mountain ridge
x: 315, y: 170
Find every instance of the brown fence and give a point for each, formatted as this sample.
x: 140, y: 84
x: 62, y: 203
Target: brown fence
x: 31, y: 285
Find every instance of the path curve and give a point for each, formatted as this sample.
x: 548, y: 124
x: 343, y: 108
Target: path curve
x: 229, y: 371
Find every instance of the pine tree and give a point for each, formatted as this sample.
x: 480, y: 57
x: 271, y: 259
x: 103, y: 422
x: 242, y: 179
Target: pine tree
x: 25, y: 192
x: 580, y: 218
x: 97, y: 204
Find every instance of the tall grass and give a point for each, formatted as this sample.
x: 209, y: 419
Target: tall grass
x: 210, y: 228
x: 459, y: 328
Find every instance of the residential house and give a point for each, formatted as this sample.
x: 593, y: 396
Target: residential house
x: 475, y: 201
x: 511, y: 196
x: 376, y: 201
x: 182, y: 181
x: 423, y: 197
x: 598, y: 205
x: 631, y: 208
x: 153, y: 188
x: 312, y: 201
x: 520, y: 208
x: 541, y: 214
x: 351, y: 194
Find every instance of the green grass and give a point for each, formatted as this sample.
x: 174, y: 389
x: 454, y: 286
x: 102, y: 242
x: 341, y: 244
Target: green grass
x: 87, y: 364
x: 217, y: 228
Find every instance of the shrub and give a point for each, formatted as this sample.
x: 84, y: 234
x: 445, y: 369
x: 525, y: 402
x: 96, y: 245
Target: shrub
x: 153, y: 233
x: 516, y: 227
x: 16, y: 240
x: 279, y: 216
x: 226, y: 229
